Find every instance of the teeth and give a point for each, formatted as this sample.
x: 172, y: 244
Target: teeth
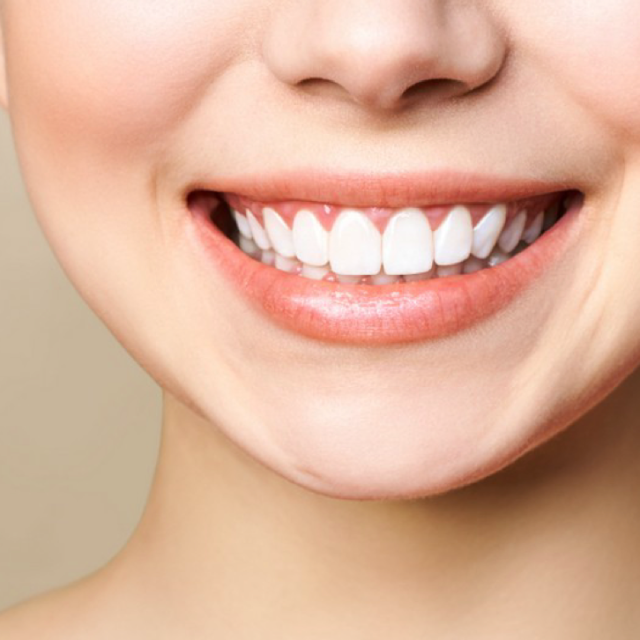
x: 522, y: 245
x: 512, y: 233
x: 473, y: 264
x: 310, y: 239
x: 355, y: 245
x: 290, y: 265
x: 315, y: 273
x: 268, y: 258
x: 384, y: 278
x: 407, y: 244
x: 421, y: 276
x: 449, y: 270
x: 258, y: 233
x: 248, y: 246
x: 279, y: 233
x: 487, y: 231
x: 497, y: 257
x: 355, y: 252
x: 534, y: 230
x: 243, y: 224
x: 453, y: 237
x: 348, y: 279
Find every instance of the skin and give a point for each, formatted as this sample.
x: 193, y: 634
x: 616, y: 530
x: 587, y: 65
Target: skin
x: 321, y: 491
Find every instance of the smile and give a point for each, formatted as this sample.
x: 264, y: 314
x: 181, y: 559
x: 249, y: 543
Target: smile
x: 376, y: 246
x: 357, y: 274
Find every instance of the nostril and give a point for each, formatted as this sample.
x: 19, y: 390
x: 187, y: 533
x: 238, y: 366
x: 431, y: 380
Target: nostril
x: 435, y: 88
x: 306, y: 82
x: 381, y: 55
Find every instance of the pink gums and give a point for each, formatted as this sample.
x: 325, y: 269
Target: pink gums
x: 327, y: 213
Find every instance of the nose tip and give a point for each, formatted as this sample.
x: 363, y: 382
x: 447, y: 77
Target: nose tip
x: 382, y: 54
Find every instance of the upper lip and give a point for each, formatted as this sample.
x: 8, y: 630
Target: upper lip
x: 381, y: 189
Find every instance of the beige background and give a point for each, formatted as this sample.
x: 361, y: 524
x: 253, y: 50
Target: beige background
x: 79, y: 420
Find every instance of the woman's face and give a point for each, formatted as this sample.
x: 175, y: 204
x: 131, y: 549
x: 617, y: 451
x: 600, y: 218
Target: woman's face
x: 132, y: 118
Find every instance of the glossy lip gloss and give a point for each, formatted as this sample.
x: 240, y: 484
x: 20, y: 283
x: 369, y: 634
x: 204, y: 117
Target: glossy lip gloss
x: 380, y: 314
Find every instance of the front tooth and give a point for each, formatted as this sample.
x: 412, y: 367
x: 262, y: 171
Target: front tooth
x: 259, y: 236
x: 355, y: 245
x: 243, y: 224
x: 279, y: 233
x: 487, y: 231
x: 512, y: 233
x: 453, y: 237
x: 407, y: 244
x: 310, y: 239
x: 532, y: 233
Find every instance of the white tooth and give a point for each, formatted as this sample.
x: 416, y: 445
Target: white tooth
x: 453, y: 237
x: 355, y: 245
x: 512, y: 233
x: 290, y: 265
x: 310, y: 239
x: 279, y: 233
x: 259, y: 236
x: 248, y: 246
x: 473, y: 264
x: 449, y: 270
x: 268, y: 257
x: 243, y: 224
x: 532, y: 233
x: 384, y: 278
x: 487, y: 231
x: 416, y: 277
x: 407, y: 243
x: 315, y: 273
x: 497, y: 257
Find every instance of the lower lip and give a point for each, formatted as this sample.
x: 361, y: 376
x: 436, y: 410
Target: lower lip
x: 380, y: 314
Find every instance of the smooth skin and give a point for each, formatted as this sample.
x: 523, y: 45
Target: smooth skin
x: 313, y: 491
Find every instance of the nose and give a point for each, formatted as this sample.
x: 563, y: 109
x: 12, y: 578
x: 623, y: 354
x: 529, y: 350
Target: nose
x: 383, y: 54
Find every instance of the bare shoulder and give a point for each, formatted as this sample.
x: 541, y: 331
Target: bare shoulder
x: 68, y: 613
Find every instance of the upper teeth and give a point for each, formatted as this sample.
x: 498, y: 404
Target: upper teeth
x: 408, y: 246
x: 487, y: 231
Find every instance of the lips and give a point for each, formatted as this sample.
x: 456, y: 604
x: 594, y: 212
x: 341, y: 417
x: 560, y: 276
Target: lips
x: 340, y: 305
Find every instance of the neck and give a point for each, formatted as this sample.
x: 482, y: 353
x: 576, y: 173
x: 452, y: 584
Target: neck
x: 551, y: 540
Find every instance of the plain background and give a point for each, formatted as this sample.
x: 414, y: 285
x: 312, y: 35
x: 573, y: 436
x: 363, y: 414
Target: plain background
x: 79, y: 419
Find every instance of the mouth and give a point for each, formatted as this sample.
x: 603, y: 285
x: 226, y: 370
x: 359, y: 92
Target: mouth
x: 382, y: 274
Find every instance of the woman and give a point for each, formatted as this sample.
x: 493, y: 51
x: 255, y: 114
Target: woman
x: 374, y: 253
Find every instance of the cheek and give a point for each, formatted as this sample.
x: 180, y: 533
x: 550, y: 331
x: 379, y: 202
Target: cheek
x: 97, y: 90
x: 591, y: 50
x: 119, y: 71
